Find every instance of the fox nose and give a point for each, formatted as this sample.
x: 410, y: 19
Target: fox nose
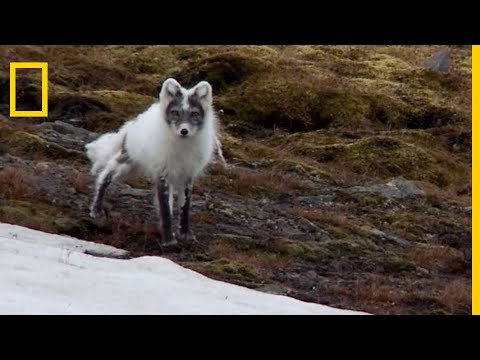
x: 184, y: 132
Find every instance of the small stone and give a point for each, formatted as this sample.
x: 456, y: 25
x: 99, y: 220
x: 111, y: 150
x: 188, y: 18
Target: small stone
x: 391, y: 238
x: 398, y: 188
x: 440, y: 61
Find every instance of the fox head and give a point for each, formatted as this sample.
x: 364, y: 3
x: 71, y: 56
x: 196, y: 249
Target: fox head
x: 186, y: 110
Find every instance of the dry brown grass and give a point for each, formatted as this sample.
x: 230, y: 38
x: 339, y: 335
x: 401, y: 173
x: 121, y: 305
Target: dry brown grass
x: 324, y: 217
x: 375, y: 294
x: 205, y: 217
x: 35, y: 224
x: 456, y: 296
x: 247, y: 182
x: 79, y: 181
x: 257, y: 259
x: 376, y: 289
x: 379, y: 294
x: 437, y: 258
x: 15, y: 183
x: 460, y: 195
x: 130, y: 235
x: 269, y: 180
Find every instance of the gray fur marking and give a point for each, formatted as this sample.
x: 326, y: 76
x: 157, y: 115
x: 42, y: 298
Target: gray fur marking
x: 184, y: 212
x: 98, y: 203
x: 124, y: 158
x: 165, y: 216
x: 195, y: 104
x: 175, y: 104
x: 185, y: 116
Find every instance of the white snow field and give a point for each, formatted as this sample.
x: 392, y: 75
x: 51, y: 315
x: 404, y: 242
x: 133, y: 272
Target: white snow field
x: 43, y: 273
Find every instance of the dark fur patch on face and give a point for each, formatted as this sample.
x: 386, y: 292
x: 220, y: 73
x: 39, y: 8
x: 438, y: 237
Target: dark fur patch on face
x: 174, y: 107
x: 195, y: 105
x: 194, y: 114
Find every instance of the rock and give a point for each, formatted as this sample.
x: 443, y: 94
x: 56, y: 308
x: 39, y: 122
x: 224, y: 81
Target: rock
x: 406, y: 188
x: 227, y: 212
x: 200, y: 204
x: 273, y: 289
x: 440, y: 61
x: 232, y: 236
x: 422, y: 271
x: 468, y: 210
x: 306, y: 225
x: 298, y: 235
x: 261, y: 215
x: 77, y: 132
x: 76, y: 106
x: 398, y: 188
x: 66, y: 135
x: 316, y: 201
x: 391, y: 238
x: 322, y: 235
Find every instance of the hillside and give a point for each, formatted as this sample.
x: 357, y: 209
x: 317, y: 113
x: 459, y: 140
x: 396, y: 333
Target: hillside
x: 313, y: 133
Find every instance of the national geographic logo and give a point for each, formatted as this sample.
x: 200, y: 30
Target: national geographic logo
x: 13, y: 90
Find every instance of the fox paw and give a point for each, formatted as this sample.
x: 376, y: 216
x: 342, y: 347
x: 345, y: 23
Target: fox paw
x: 187, y: 237
x: 97, y: 213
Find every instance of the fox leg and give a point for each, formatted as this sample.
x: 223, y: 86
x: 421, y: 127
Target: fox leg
x: 115, y: 169
x: 163, y: 194
x: 184, y: 202
x: 217, y: 149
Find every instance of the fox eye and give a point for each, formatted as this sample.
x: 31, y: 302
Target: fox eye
x: 194, y: 114
x: 174, y: 112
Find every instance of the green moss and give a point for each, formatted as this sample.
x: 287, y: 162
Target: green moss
x: 367, y: 88
x: 397, y: 265
x: 237, y: 245
x: 150, y: 60
x: 385, y: 157
x: 364, y: 198
x: 225, y: 269
x: 297, y: 166
x: 80, y: 228
x: 47, y: 218
x: 220, y: 70
x: 352, y: 246
x: 36, y: 215
x: 271, y: 250
x: 274, y: 100
x: 293, y: 249
x: 32, y: 146
x: 122, y: 102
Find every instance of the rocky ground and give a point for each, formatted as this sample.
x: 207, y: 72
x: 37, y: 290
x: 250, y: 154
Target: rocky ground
x: 350, y: 167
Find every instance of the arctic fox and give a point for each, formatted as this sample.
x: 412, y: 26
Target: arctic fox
x: 171, y: 142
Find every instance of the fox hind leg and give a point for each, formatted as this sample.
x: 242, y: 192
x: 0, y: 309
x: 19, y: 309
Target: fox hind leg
x: 113, y: 171
x: 217, y: 150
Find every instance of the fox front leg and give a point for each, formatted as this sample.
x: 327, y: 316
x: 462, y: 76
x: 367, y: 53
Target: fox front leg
x: 164, y: 213
x: 184, y: 199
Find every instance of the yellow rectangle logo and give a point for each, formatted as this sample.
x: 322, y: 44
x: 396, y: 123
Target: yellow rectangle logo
x: 475, y: 179
x: 13, y: 89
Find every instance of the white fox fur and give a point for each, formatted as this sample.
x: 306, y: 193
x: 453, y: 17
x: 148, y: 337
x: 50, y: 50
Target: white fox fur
x: 153, y: 144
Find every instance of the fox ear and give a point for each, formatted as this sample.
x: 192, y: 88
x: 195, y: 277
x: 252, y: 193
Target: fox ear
x: 204, y: 91
x: 170, y: 89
